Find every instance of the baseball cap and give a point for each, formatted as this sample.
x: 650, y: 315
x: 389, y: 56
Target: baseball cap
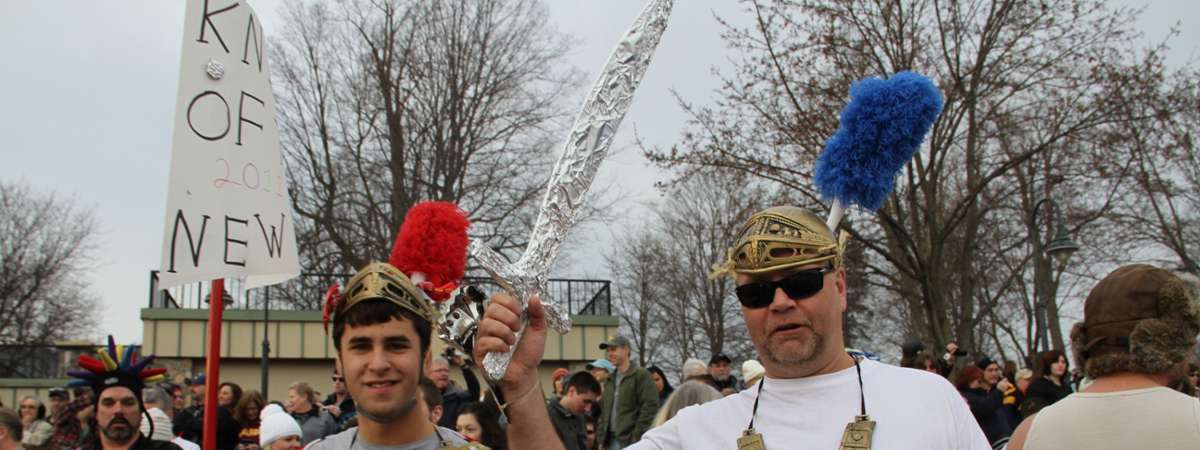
x: 60, y: 393
x: 198, y: 379
x: 719, y: 357
x: 603, y: 364
x: 615, y: 341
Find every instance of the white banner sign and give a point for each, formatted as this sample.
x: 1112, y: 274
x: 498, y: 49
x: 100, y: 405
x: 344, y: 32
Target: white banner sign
x: 228, y: 212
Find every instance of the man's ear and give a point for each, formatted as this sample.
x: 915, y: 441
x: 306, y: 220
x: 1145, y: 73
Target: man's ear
x: 840, y: 283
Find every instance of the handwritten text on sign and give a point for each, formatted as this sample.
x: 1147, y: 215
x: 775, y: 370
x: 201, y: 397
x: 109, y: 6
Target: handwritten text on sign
x: 228, y: 212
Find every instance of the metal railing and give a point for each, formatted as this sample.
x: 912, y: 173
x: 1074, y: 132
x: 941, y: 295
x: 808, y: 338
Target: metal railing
x: 306, y: 292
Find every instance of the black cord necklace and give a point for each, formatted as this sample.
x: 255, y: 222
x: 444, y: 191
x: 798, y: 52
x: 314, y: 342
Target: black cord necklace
x: 856, y: 437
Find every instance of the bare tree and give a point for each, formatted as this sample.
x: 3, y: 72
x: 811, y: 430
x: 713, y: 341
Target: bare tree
x: 47, y: 246
x: 1020, y: 80
x: 384, y: 103
x: 667, y: 297
x: 637, y: 270
x: 1164, y: 211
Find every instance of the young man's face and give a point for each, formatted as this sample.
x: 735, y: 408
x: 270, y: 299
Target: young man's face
x: 617, y: 354
x: 382, y: 365
x: 118, y: 414
x: 992, y: 374
x: 197, y: 394
x: 578, y: 403
x: 793, y: 334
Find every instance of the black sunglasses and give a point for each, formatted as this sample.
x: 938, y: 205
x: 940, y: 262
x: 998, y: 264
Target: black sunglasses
x: 797, y: 286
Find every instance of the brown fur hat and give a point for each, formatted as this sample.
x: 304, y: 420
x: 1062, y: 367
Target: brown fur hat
x: 1139, y: 318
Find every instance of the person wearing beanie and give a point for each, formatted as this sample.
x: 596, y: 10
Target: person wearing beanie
x: 753, y: 371
x: 1139, y: 327
x: 278, y: 430
x: 163, y: 431
x: 117, y: 376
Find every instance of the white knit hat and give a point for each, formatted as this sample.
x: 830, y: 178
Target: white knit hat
x: 752, y: 370
x: 276, y: 424
x: 162, y: 426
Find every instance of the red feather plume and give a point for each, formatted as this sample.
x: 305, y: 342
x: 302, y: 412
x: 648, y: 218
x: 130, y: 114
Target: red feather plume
x: 147, y: 373
x: 433, y: 241
x: 332, y: 297
x: 91, y: 364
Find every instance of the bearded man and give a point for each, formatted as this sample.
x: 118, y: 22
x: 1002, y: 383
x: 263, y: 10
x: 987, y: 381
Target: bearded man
x: 792, y: 287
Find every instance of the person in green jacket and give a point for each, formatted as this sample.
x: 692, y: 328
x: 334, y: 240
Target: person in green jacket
x: 630, y: 398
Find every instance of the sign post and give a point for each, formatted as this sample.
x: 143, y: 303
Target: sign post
x: 228, y: 213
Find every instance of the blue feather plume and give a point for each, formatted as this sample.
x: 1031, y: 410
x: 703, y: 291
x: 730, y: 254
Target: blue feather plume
x: 141, y: 364
x: 881, y: 128
x: 82, y: 374
x: 112, y: 349
x: 127, y: 356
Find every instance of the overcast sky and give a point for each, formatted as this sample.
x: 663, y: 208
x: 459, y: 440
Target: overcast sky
x: 88, y: 90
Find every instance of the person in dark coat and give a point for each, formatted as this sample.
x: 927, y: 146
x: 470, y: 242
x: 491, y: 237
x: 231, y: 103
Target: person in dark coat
x: 1049, y: 383
x: 338, y: 403
x: 453, y: 398
x: 569, y: 414
x: 986, y: 404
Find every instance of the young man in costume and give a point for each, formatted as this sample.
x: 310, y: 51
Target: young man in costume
x: 792, y: 287
x: 1139, y: 327
x: 381, y: 326
x: 381, y: 329
x: 116, y: 380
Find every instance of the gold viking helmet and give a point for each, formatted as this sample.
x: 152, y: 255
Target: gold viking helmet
x: 383, y: 281
x: 782, y: 237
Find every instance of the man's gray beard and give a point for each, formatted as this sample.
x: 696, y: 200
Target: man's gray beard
x: 818, y: 342
x: 722, y: 378
x: 120, y: 436
x: 389, y: 416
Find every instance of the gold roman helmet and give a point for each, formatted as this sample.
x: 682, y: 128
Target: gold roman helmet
x: 382, y: 281
x: 782, y: 237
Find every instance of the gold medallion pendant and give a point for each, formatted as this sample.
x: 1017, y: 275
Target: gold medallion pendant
x: 750, y: 440
x: 858, y: 434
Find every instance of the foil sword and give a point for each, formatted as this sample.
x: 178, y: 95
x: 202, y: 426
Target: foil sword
x: 586, y: 147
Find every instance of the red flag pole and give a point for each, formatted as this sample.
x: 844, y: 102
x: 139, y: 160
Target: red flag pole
x: 212, y: 364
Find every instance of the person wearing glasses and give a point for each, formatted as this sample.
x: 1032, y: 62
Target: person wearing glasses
x: 339, y: 404
x: 33, y: 418
x: 791, y: 283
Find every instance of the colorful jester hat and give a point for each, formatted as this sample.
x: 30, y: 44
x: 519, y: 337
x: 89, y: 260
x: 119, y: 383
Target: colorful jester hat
x: 116, y: 365
x: 427, y: 263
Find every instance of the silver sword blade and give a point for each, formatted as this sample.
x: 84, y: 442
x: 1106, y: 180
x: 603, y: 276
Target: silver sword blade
x: 585, y: 148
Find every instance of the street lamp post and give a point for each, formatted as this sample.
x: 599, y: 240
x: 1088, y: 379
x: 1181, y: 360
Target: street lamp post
x: 1059, y: 249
